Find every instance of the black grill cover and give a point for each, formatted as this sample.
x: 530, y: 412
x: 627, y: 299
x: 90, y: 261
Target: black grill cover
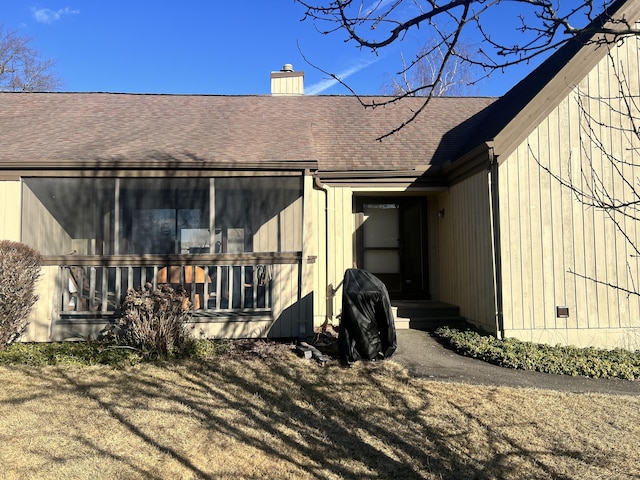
x: 367, y: 330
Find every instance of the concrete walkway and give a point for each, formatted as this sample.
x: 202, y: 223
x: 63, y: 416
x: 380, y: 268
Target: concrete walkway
x: 425, y: 357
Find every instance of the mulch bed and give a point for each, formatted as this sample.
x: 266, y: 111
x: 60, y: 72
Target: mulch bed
x: 325, y: 340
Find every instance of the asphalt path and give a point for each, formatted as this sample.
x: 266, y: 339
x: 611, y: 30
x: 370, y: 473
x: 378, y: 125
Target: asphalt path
x: 425, y: 357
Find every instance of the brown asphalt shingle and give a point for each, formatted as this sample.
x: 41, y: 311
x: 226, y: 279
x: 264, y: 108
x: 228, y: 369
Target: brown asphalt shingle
x: 335, y: 131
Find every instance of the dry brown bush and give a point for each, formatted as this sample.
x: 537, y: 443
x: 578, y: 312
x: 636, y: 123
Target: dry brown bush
x: 19, y: 271
x: 154, y: 320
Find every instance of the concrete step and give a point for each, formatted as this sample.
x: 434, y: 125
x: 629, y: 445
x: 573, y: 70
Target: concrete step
x: 425, y: 315
x: 426, y: 308
x: 431, y: 324
x: 402, y: 323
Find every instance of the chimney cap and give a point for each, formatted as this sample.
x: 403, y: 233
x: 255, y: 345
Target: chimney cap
x: 287, y: 67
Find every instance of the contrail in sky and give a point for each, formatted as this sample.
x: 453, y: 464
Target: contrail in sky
x: 327, y: 83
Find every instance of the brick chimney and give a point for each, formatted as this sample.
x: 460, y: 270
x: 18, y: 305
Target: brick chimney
x: 287, y: 82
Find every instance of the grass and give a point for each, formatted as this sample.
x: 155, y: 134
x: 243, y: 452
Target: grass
x: 264, y: 413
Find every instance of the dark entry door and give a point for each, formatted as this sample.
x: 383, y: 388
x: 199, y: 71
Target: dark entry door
x: 392, y: 244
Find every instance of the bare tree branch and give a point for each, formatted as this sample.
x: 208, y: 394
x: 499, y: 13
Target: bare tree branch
x: 529, y: 29
x: 418, y: 77
x: 602, y: 170
x: 21, y: 68
x: 628, y: 291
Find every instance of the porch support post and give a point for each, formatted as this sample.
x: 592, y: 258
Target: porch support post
x: 116, y: 219
x: 212, y: 215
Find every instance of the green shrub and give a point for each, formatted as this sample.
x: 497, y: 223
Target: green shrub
x: 564, y: 360
x: 19, y: 271
x: 203, y: 348
x: 103, y: 353
x: 154, y: 321
x: 69, y: 353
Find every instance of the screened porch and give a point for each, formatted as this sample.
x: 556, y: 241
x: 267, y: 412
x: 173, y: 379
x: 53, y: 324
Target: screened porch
x: 234, y: 244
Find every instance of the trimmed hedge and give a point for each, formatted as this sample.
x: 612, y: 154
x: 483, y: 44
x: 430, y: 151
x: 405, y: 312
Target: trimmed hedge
x: 563, y: 360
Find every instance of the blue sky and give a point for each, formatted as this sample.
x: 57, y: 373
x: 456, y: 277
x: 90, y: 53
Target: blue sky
x: 198, y: 47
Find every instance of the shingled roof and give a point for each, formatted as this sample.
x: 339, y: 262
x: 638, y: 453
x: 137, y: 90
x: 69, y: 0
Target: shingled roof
x: 80, y: 129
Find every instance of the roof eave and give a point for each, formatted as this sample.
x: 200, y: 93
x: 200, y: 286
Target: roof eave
x: 469, y: 164
x: 424, y: 177
x: 121, y: 167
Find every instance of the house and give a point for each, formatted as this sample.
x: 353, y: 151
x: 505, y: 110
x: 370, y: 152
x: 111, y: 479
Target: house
x: 258, y: 204
x: 540, y: 229
x: 257, y: 191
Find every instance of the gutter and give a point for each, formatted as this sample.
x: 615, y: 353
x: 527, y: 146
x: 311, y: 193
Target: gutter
x: 494, y: 206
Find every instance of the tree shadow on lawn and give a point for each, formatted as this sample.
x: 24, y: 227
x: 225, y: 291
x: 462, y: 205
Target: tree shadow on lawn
x: 308, y: 420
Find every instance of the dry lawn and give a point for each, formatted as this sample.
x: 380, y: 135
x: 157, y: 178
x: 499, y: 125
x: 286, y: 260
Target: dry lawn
x: 282, y: 417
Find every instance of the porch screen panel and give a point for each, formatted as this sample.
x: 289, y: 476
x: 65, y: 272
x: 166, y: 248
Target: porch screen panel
x: 63, y: 216
x: 259, y: 214
x: 164, y: 216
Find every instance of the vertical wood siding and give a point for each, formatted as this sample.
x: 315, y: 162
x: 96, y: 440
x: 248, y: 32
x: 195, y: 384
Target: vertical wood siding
x: 286, y: 308
x: 280, y: 233
x: 555, y: 250
x: 39, y: 327
x: 40, y: 229
x: 309, y: 231
x: 465, y: 250
x: 10, y: 229
x: 334, y: 243
x: 10, y: 210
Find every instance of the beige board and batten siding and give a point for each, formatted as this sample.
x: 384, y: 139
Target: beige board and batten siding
x: 12, y: 196
x: 465, y: 250
x: 42, y: 231
x: 321, y: 298
x: 39, y: 328
x: 10, y: 210
x: 280, y: 233
x: 335, y: 239
x: 309, y: 265
x: 287, y: 82
x: 557, y: 251
x: 40, y: 228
